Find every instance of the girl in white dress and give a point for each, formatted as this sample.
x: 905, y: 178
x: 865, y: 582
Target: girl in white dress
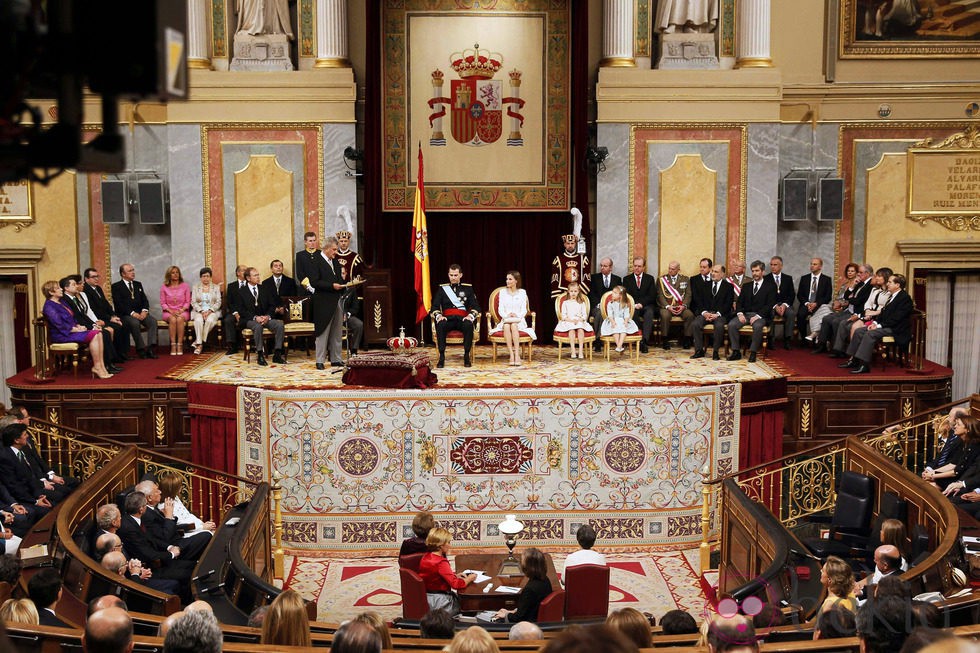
x: 618, y: 322
x: 574, y: 319
x: 512, y: 307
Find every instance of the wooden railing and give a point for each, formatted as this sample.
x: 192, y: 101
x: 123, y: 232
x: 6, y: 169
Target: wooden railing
x: 797, y: 487
x: 108, y: 468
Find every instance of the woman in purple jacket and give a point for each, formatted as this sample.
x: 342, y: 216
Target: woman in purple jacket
x: 62, y: 327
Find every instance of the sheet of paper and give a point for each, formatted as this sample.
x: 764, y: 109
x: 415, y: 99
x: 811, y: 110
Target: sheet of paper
x: 509, y: 590
x: 480, y: 576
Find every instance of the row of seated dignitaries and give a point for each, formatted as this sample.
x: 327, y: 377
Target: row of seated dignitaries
x: 29, y: 487
x: 326, y: 275
x: 79, y: 310
x: 866, y: 306
x: 159, y: 540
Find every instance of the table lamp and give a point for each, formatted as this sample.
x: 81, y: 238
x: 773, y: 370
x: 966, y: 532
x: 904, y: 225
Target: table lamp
x: 510, y: 527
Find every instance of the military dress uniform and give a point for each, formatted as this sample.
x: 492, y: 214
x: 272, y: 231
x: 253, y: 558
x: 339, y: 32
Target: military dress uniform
x: 567, y: 268
x: 455, y: 302
x: 352, y: 266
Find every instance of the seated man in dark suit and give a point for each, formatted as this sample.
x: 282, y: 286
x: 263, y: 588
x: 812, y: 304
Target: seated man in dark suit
x: 279, y: 285
x: 232, y: 311
x: 40, y: 465
x: 133, y: 569
x: 133, y: 309
x: 103, y: 310
x: 16, y: 473
x: 716, y: 309
x: 161, y: 523
x: 141, y: 544
x: 256, y: 307
x: 601, y: 282
x: 893, y: 321
x: 642, y: 287
x: 754, y: 307
x: 44, y: 589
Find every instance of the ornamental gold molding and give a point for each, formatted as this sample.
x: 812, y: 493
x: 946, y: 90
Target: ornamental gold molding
x: 944, y: 181
x: 160, y: 423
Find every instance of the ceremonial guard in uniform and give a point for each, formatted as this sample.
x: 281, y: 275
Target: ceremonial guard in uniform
x: 351, y: 266
x: 569, y: 266
x: 455, y: 308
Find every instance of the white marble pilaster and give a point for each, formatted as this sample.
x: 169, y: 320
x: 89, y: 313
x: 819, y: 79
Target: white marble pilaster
x: 186, y: 200
x: 197, y: 35
x: 612, y: 198
x: 617, y: 33
x: 340, y: 189
x: 331, y: 34
x: 753, y: 34
x: 762, y: 192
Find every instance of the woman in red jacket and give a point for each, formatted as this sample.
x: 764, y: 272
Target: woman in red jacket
x: 437, y: 574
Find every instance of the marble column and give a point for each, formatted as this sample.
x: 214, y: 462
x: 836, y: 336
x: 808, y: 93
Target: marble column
x: 753, y: 34
x: 331, y: 34
x: 197, y: 35
x: 617, y: 34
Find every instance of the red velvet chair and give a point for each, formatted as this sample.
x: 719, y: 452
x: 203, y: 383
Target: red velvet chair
x: 414, y: 602
x: 586, y: 592
x: 552, y: 608
x: 411, y: 561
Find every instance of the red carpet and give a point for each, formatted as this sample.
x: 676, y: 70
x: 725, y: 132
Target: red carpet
x: 136, y: 372
x: 800, y: 365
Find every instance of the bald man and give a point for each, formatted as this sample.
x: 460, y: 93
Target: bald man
x: 108, y: 631
x: 674, y: 300
x: 105, y: 601
x: 888, y: 561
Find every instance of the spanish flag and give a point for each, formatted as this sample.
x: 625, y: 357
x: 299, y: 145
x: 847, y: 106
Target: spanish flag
x: 420, y: 246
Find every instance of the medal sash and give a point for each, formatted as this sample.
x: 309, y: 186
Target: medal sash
x: 670, y: 290
x: 735, y: 285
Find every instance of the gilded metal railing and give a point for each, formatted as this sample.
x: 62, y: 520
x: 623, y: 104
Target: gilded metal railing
x: 797, y: 486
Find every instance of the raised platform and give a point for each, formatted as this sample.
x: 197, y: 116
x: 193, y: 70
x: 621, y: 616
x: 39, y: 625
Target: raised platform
x: 148, y: 403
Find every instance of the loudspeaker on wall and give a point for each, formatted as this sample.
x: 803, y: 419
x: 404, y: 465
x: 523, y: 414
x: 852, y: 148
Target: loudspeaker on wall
x: 830, y: 199
x: 794, y: 199
x: 115, y: 202
x: 152, y: 201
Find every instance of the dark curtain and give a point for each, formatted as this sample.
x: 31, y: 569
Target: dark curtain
x: 214, y: 426
x: 486, y: 244
x: 761, y: 423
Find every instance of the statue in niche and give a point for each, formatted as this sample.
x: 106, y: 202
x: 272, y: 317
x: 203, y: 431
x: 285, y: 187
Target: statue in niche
x: 688, y: 16
x: 262, y: 36
x: 264, y: 17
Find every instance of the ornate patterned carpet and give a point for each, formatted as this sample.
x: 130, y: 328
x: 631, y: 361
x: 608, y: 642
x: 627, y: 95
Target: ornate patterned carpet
x: 545, y: 370
x: 357, y: 464
x: 343, y: 586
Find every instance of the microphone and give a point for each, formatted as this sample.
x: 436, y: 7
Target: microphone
x: 202, y: 576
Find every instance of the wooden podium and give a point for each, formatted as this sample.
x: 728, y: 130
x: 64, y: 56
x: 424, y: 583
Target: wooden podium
x: 378, y: 319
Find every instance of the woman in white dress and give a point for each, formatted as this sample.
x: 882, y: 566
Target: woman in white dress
x: 574, y: 319
x: 512, y: 307
x: 205, y: 308
x: 170, y: 486
x: 619, y: 322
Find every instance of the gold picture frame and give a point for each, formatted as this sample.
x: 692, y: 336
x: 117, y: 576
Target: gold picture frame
x: 906, y: 29
x: 16, y: 204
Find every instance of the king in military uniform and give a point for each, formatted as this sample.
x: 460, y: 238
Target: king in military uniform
x: 569, y: 266
x: 455, y: 308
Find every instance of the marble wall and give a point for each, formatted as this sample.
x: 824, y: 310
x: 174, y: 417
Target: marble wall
x: 772, y: 151
x: 175, y: 153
